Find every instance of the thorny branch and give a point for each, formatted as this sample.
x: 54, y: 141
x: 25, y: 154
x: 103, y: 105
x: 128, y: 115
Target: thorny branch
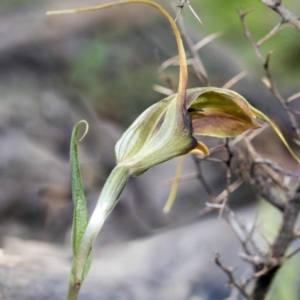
x: 231, y: 279
x: 197, y: 62
x: 265, y: 264
x: 277, y: 251
x: 286, y: 15
x: 266, y: 174
x: 181, y: 6
x: 263, y: 181
x: 265, y: 61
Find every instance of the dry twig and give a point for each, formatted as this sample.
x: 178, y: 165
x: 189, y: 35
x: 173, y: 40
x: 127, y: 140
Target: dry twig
x: 286, y: 15
x: 279, y: 247
x: 231, y: 280
x: 265, y: 63
x: 266, y: 173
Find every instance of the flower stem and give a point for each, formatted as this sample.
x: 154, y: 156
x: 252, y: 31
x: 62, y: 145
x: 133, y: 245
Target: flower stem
x: 73, y: 291
x: 106, y: 202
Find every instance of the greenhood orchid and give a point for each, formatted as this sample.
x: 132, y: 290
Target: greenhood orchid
x: 156, y: 136
x: 165, y: 130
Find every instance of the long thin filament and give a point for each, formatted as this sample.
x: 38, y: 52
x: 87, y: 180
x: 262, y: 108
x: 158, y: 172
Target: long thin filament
x: 174, y: 188
x: 183, y: 74
x: 262, y: 116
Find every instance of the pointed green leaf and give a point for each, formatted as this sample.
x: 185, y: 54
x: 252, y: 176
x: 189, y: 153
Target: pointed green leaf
x: 80, y: 215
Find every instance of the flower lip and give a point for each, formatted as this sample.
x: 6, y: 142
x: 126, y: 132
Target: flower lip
x: 219, y: 112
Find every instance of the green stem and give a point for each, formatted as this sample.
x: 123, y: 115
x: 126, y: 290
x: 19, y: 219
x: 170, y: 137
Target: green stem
x: 73, y: 291
x: 106, y: 202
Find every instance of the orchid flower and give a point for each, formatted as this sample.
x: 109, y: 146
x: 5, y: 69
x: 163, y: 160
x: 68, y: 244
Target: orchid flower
x: 165, y: 130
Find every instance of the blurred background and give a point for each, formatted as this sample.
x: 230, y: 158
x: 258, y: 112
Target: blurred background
x: 102, y: 66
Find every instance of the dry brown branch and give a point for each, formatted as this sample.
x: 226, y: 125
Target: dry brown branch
x: 202, y: 179
x: 231, y: 280
x: 249, y: 36
x: 244, y: 235
x: 265, y: 179
x: 249, y: 135
x: 268, y: 79
x: 227, y: 164
x: 272, y: 32
x: 197, y: 62
x: 162, y: 90
x: 265, y: 264
x: 181, y: 5
x: 208, y: 39
x: 232, y: 187
x: 265, y: 192
x: 234, y: 80
x: 182, y: 178
x: 286, y: 15
x: 292, y: 254
x: 267, y: 176
x: 279, y: 247
x: 293, y: 97
x: 275, y: 167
